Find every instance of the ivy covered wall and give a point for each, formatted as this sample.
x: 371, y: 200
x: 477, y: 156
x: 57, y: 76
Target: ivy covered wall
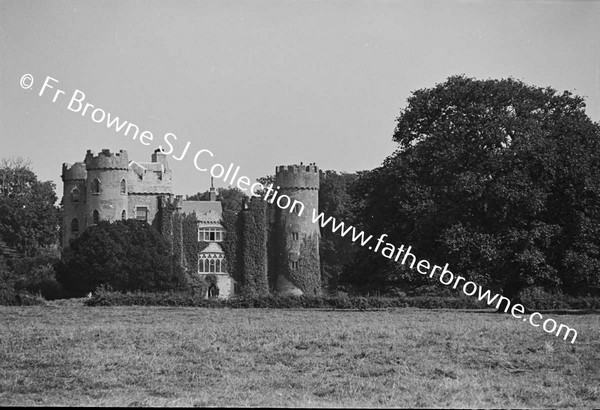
x: 253, y: 243
x: 191, y: 246
x: 178, y: 254
x: 258, y: 244
x: 231, y: 222
x: 308, y: 274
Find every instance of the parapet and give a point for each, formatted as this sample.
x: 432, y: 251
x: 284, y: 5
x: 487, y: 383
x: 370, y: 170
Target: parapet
x: 107, y: 160
x: 312, y: 167
x: 77, y: 171
x: 297, y: 176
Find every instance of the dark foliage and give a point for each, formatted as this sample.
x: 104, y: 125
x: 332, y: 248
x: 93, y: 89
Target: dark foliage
x: 254, y: 249
x: 342, y: 301
x: 335, y: 251
x: 126, y: 255
x: 191, y: 245
x: 7, y: 284
x: 497, y: 178
x: 36, y: 274
x: 29, y: 220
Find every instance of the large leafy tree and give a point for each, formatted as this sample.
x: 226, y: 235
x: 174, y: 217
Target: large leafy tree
x: 29, y: 219
x: 498, y: 178
x: 125, y: 255
x: 335, y: 251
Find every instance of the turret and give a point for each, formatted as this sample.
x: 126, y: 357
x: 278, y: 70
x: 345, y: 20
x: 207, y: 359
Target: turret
x: 74, y: 177
x: 107, y: 186
x: 297, y: 255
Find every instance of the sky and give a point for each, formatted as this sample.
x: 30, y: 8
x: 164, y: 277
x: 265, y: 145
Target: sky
x: 266, y: 83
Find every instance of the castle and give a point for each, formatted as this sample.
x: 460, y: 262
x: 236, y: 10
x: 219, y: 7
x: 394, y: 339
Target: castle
x: 271, y: 250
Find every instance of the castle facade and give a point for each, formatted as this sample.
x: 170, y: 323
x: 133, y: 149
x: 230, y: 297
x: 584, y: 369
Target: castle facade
x: 276, y: 251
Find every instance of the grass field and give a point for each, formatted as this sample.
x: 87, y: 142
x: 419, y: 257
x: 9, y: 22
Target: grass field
x: 75, y: 355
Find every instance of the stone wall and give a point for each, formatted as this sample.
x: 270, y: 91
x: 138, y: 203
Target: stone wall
x: 297, y: 237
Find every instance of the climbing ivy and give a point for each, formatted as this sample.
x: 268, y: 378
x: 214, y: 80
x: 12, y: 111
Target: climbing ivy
x: 191, y: 246
x: 307, y: 277
x: 271, y: 247
x: 178, y: 254
x: 254, y: 249
x: 232, y: 224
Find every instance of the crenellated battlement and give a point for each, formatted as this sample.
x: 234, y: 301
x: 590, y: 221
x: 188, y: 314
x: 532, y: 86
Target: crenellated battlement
x: 312, y: 167
x: 107, y: 160
x: 77, y: 171
x: 297, y: 176
x: 297, y: 262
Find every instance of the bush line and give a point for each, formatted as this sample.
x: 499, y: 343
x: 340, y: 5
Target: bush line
x: 108, y: 298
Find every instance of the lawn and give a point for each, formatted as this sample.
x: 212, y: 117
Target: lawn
x: 75, y: 355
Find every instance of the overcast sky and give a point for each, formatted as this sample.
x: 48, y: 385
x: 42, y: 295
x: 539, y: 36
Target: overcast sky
x: 266, y: 83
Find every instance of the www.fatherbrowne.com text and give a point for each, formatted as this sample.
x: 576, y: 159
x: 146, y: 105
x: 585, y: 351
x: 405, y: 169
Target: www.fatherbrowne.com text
x: 404, y: 256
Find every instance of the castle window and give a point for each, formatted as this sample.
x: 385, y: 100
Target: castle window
x: 295, y: 236
x: 294, y: 264
x: 96, y: 186
x: 123, y: 215
x: 123, y: 186
x: 211, y: 263
x: 75, y: 195
x: 75, y: 226
x: 141, y: 213
x: 96, y: 216
x: 211, y: 234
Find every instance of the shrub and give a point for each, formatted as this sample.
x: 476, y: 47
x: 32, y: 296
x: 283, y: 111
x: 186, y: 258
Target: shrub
x: 25, y: 298
x: 127, y: 255
x: 539, y: 299
x: 7, y: 288
x: 107, y: 297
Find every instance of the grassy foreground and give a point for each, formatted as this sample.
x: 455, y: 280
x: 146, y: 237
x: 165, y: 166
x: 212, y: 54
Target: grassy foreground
x: 208, y: 357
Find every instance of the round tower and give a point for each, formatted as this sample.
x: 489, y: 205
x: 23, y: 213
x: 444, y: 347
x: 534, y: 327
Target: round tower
x: 73, y: 177
x: 106, y: 186
x: 298, y: 269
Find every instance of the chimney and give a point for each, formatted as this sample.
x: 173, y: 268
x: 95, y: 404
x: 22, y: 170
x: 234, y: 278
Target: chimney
x: 213, y: 194
x: 160, y: 157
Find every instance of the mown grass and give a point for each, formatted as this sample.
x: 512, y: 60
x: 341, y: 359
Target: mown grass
x: 75, y: 355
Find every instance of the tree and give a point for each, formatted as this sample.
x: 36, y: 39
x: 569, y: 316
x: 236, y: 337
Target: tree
x: 29, y: 219
x: 199, y: 196
x: 498, y: 178
x: 7, y: 278
x: 335, y: 251
x: 231, y: 198
x: 127, y: 255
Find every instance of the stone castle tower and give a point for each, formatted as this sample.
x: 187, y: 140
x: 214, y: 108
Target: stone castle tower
x: 297, y: 262
x: 109, y: 187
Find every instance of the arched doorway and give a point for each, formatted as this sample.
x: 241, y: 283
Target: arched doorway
x: 213, y: 291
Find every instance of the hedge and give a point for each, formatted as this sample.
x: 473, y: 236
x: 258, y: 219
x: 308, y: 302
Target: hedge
x: 110, y: 298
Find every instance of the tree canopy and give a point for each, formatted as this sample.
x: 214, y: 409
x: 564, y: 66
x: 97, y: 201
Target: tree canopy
x: 335, y: 251
x: 498, y: 178
x: 125, y: 255
x: 231, y: 198
x: 29, y: 218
